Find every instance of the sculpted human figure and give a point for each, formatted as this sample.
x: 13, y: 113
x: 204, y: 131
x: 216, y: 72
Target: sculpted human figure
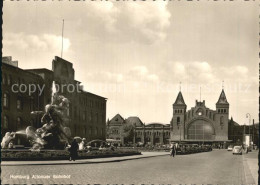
x: 7, y: 139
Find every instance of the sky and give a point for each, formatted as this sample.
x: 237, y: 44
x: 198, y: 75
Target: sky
x: 139, y: 55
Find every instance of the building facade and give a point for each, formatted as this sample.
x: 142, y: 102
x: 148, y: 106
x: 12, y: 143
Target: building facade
x: 148, y: 134
x: 200, y: 124
x: 87, y: 111
x: 18, y: 104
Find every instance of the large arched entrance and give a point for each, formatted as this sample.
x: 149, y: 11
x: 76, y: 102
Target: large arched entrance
x: 201, y: 130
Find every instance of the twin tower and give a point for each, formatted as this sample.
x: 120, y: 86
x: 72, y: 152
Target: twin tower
x: 200, y: 124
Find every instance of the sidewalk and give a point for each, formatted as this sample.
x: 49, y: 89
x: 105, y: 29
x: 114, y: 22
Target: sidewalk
x: 250, y: 161
x: 85, y: 161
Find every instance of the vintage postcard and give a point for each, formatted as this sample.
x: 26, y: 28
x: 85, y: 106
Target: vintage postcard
x: 130, y: 92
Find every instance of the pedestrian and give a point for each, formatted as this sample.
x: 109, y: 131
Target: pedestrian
x: 74, y: 150
x: 173, y: 151
x: 172, y: 148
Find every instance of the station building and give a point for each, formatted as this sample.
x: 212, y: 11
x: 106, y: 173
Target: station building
x: 200, y: 124
x: 151, y: 134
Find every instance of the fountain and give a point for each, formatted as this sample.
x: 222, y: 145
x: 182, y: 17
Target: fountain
x: 53, y: 132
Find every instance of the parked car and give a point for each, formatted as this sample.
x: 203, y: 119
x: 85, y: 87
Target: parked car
x: 230, y: 148
x: 237, y: 150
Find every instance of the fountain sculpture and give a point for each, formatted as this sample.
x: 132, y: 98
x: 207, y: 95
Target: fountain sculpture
x: 53, y: 132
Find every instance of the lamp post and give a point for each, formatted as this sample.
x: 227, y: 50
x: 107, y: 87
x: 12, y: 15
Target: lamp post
x: 249, y: 116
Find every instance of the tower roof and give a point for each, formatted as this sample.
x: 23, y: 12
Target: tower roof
x: 222, y: 98
x: 179, y: 100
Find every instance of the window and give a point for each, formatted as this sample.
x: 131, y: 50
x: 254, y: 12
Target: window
x: 221, y: 120
x: 84, y: 116
x: 200, y: 130
x: 68, y: 111
x: 75, y: 112
x: 6, y: 122
x: 225, y: 110
x: 6, y: 100
x: 210, y: 115
x: 178, y: 120
x: 96, y: 131
x: 9, y: 80
x: 19, y: 123
x: 90, y: 131
x: 19, y: 104
x: 32, y: 104
x: 175, y: 111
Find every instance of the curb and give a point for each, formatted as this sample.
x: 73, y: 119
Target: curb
x: 247, y: 172
x: 83, y: 162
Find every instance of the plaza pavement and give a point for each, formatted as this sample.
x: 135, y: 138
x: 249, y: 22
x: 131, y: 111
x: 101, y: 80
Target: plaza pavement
x: 85, y: 161
x: 216, y: 167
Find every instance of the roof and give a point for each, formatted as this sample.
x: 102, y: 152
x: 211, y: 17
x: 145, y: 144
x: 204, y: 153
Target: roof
x: 222, y: 98
x: 20, y: 69
x: 179, y: 100
x: 39, y: 70
x: 232, y: 121
x: 157, y: 125
x: 134, y: 120
x: 89, y: 93
x: 117, y: 119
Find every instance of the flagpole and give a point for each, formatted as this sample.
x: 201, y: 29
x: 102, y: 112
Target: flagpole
x: 62, y: 38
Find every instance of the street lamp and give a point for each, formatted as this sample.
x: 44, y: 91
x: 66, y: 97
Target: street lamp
x: 249, y: 116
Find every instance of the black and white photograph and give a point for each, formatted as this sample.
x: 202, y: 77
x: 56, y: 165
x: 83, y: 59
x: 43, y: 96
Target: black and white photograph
x: 130, y: 92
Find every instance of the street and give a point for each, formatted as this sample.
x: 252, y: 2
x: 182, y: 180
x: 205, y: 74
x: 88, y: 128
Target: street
x: 216, y: 167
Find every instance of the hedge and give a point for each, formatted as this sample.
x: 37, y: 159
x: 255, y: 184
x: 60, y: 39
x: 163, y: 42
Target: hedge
x: 26, y: 155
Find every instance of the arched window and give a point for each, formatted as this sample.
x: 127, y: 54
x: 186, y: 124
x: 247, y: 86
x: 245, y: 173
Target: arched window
x: 201, y: 130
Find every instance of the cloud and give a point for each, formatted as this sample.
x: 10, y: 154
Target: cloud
x: 105, y: 77
x: 202, y: 72
x: 42, y: 43
x: 141, y: 73
x: 123, y: 22
x: 106, y: 13
x: 146, y: 20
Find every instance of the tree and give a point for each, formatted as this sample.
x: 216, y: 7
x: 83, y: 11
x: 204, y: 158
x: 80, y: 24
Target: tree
x: 128, y: 132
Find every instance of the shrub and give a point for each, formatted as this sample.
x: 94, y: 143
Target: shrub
x: 23, y: 155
